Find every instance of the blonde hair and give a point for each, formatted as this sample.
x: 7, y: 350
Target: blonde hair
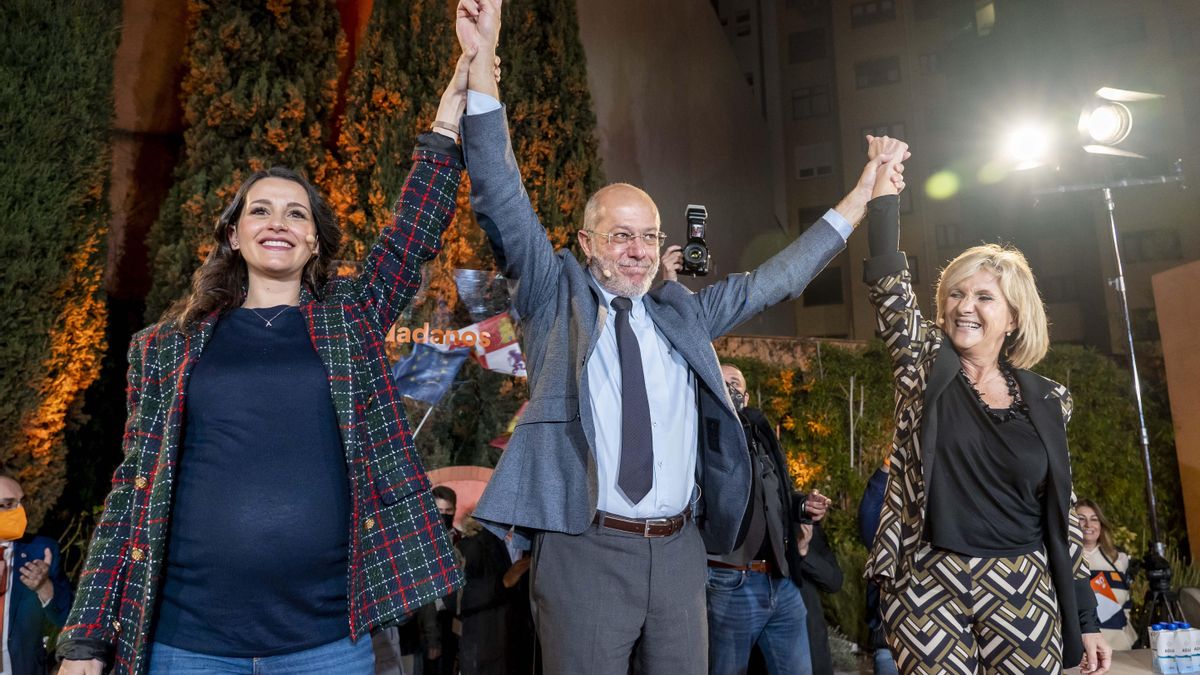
x: 1031, y: 339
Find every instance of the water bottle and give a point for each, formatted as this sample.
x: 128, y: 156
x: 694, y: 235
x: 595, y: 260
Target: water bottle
x: 1164, y: 650
x: 1186, y: 659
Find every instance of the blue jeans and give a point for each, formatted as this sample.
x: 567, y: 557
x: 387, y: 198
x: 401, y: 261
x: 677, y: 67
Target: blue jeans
x: 342, y: 657
x: 884, y: 663
x: 749, y: 608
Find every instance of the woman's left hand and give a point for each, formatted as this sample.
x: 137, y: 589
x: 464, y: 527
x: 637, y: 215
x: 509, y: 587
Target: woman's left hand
x: 1097, y: 655
x: 454, y: 98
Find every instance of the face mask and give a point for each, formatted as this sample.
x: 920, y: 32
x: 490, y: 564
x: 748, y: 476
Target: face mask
x: 448, y: 520
x: 739, y: 400
x: 12, y: 524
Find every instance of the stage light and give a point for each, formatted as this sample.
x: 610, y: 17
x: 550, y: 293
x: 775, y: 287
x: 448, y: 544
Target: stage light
x: 1107, y: 121
x: 1027, y: 145
x: 1107, y: 124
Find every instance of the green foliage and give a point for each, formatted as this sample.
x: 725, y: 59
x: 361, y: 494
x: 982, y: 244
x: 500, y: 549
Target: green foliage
x: 550, y: 111
x: 1106, y: 457
x: 811, y: 407
x: 552, y: 126
x: 55, y: 112
x: 259, y: 85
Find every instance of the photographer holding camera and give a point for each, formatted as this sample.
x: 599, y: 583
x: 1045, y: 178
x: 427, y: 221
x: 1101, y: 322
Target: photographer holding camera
x: 754, y: 592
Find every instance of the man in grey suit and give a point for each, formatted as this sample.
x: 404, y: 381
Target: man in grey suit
x: 621, y: 486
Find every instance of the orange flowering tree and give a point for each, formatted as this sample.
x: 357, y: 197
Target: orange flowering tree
x: 259, y: 86
x: 55, y: 108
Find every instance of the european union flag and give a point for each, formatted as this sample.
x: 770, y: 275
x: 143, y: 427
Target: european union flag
x: 427, y: 373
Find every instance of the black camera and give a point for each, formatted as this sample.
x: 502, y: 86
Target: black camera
x: 696, y: 257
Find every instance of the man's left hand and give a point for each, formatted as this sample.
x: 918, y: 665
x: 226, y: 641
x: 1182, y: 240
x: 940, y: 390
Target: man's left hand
x: 35, y: 574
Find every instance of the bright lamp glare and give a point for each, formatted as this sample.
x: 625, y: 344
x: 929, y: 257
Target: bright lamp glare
x: 1107, y: 124
x: 1027, y: 146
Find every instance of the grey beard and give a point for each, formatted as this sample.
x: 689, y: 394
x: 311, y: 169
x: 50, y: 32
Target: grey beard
x: 617, y: 284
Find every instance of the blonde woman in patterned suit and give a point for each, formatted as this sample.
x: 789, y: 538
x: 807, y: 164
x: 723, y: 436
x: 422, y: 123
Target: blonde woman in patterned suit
x: 978, y: 554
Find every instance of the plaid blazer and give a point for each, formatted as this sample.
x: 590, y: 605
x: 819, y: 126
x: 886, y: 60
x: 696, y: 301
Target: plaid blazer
x: 923, y: 365
x: 400, y: 557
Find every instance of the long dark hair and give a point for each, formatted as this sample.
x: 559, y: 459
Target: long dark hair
x: 221, y: 282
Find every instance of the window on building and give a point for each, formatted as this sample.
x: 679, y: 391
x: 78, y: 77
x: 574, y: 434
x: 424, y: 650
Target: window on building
x: 924, y: 10
x: 914, y: 269
x: 1151, y: 246
x: 808, y: 215
x: 929, y: 63
x: 810, y: 101
x: 825, y: 289
x: 875, y: 11
x: 808, y: 5
x: 814, y: 161
x: 947, y: 235
x: 1106, y: 32
x: 1144, y: 321
x: 937, y: 118
x: 1058, y: 288
x: 806, y: 45
x: 895, y: 130
x: 1185, y: 37
x: 877, y: 72
x: 742, y: 24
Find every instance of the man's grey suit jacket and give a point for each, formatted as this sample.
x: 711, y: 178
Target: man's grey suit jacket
x: 546, y: 479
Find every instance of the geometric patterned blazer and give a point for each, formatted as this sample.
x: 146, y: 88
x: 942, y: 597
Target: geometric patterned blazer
x: 924, y: 363
x: 400, y: 557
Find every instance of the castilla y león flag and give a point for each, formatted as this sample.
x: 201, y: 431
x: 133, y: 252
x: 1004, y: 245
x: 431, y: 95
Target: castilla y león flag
x: 501, y: 352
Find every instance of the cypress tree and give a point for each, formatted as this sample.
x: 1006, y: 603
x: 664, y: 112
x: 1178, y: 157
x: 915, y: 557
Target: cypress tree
x: 550, y: 111
x: 259, y: 86
x: 55, y: 112
x: 550, y: 117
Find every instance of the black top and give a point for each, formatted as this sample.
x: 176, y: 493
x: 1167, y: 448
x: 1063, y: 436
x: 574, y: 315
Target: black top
x: 987, y: 488
x: 257, y: 554
x: 768, y: 518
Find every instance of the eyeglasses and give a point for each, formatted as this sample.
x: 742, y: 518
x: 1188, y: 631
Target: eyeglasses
x: 9, y: 504
x: 650, y: 239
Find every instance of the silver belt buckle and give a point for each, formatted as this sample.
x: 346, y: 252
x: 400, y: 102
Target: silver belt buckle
x: 650, y: 522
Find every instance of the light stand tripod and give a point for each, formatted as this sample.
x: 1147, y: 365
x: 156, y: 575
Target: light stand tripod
x: 1162, y: 603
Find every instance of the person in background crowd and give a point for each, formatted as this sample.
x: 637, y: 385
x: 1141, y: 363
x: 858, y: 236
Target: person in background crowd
x: 979, y: 498
x: 483, y: 604
x: 271, y: 508
x: 821, y: 574
x: 36, y: 593
x: 1110, y: 576
x: 868, y: 521
x: 754, y: 593
x: 441, y: 656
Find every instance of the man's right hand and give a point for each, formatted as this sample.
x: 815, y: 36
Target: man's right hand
x: 74, y: 667
x: 672, y: 262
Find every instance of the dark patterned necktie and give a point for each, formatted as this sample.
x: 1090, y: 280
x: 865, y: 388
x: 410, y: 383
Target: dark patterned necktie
x: 636, y: 473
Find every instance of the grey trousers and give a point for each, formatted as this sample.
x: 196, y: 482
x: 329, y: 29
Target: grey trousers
x: 611, y: 603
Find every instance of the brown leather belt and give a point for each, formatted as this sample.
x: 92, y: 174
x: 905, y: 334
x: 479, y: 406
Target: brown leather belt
x: 761, y: 566
x: 647, y: 527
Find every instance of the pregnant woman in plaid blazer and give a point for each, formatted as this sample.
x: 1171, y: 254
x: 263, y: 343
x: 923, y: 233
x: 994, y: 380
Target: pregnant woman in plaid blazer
x: 271, y: 508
